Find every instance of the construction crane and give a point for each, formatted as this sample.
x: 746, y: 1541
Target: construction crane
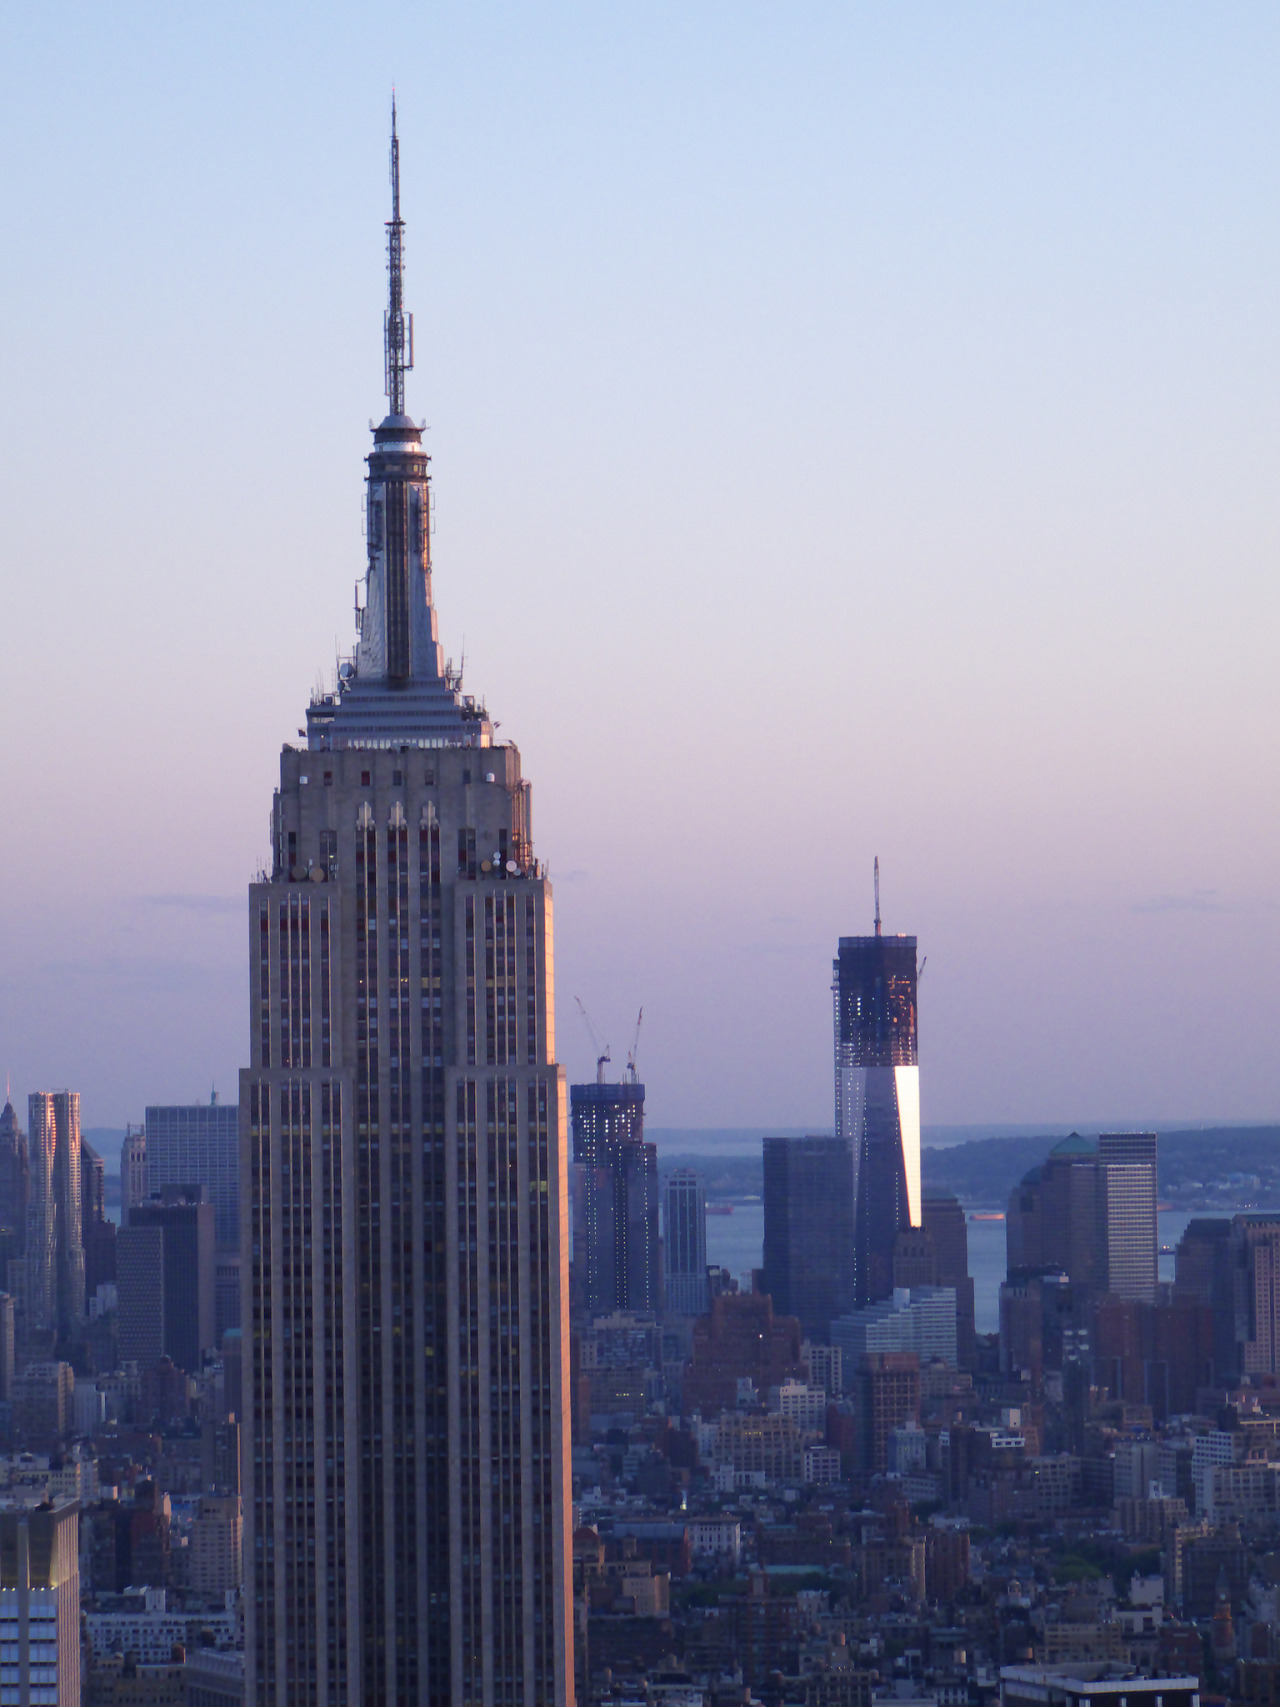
x: 602, y: 1055
x: 635, y: 1044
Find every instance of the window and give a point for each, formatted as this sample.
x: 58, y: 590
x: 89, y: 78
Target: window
x: 365, y: 779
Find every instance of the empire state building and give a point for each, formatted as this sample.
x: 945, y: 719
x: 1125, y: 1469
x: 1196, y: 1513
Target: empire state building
x: 403, y: 1156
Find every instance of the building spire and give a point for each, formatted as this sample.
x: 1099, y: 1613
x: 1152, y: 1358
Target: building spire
x: 877, y: 884
x: 397, y: 335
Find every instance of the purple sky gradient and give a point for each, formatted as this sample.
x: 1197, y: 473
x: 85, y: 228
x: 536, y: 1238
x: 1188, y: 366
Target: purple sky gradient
x: 855, y: 431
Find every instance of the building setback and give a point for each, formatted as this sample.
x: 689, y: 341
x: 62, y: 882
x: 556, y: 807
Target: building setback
x: 403, y: 1171
x: 921, y: 1319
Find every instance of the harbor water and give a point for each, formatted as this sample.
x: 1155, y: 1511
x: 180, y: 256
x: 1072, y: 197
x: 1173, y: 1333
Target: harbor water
x: 736, y: 1242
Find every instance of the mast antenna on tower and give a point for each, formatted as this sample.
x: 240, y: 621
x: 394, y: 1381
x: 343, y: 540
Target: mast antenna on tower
x: 877, y: 884
x: 397, y: 334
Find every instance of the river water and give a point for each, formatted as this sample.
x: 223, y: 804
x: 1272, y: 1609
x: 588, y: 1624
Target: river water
x: 736, y: 1242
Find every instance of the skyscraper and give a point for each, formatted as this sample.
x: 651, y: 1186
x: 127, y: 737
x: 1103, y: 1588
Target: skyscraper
x: 40, y: 1600
x: 1055, y: 1217
x: 1090, y: 1212
x: 134, y: 1186
x: 403, y: 1175
x: 165, y: 1268
x: 878, y: 1095
x: 808, y: 1230
x: 615, y: 1200
x: 97, y: 1234
x: 1255, y: 1263
x: 945, y: 1223
x: 188, y: 1144
x: 1127, y: 1161
x: 1204, y: 1274
x: 55, y: 1251
x: 14, y: 1185
x: 684, y: 1244
x: 198, y: 1144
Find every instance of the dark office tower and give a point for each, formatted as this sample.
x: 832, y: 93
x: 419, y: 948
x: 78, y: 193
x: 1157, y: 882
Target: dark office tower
x: 684, y: 1247
x: 173, y: 1237
x: 615, y: 1201
x: 198, y: 1144
x: 878, y: 1095
x: 55, y: 1251
x: 1203, y: 1274
x: 1255, y: 1261
x: 97, y: 1234
x: 1055, y: 1217
x: 93, y: 1185
x: 188, y: 1144
x: 915, y: 1262
x: 808, y: 1230
x: 403, y: 1178
x: 1127, y: 1162
x: 13, y: 1188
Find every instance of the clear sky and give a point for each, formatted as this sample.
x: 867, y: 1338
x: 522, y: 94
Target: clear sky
x: 855, y: 432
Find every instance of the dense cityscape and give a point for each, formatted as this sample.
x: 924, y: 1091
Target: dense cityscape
x: 407, y: 1377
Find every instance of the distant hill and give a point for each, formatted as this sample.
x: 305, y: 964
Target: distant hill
x: 1223, y: 1167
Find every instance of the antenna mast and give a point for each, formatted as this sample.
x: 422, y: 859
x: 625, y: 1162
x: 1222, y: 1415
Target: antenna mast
x: 397, y: 329
x: 877, y: 883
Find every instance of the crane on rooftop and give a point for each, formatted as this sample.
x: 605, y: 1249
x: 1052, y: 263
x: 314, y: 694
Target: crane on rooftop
x: 602, y: 1055
x: 635, y: 1044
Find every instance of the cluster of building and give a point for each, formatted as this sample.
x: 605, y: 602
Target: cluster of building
x: 798, y: 1497
x: 120, y: 1503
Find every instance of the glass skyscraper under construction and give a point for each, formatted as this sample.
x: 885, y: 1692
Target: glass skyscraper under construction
x: 878, y: 1096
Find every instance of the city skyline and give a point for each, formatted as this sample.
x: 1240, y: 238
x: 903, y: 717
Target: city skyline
x: 985, y: 314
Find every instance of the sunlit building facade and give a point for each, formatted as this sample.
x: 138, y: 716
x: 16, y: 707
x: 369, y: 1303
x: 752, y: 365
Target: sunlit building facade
x: 55, y: 1247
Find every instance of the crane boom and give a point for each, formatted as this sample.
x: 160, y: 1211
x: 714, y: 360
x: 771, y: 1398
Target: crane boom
x: 602, y: 1055
x: 635, y: 1044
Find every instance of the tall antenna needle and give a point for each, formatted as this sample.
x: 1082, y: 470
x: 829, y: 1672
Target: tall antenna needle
x: 398, y: 326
